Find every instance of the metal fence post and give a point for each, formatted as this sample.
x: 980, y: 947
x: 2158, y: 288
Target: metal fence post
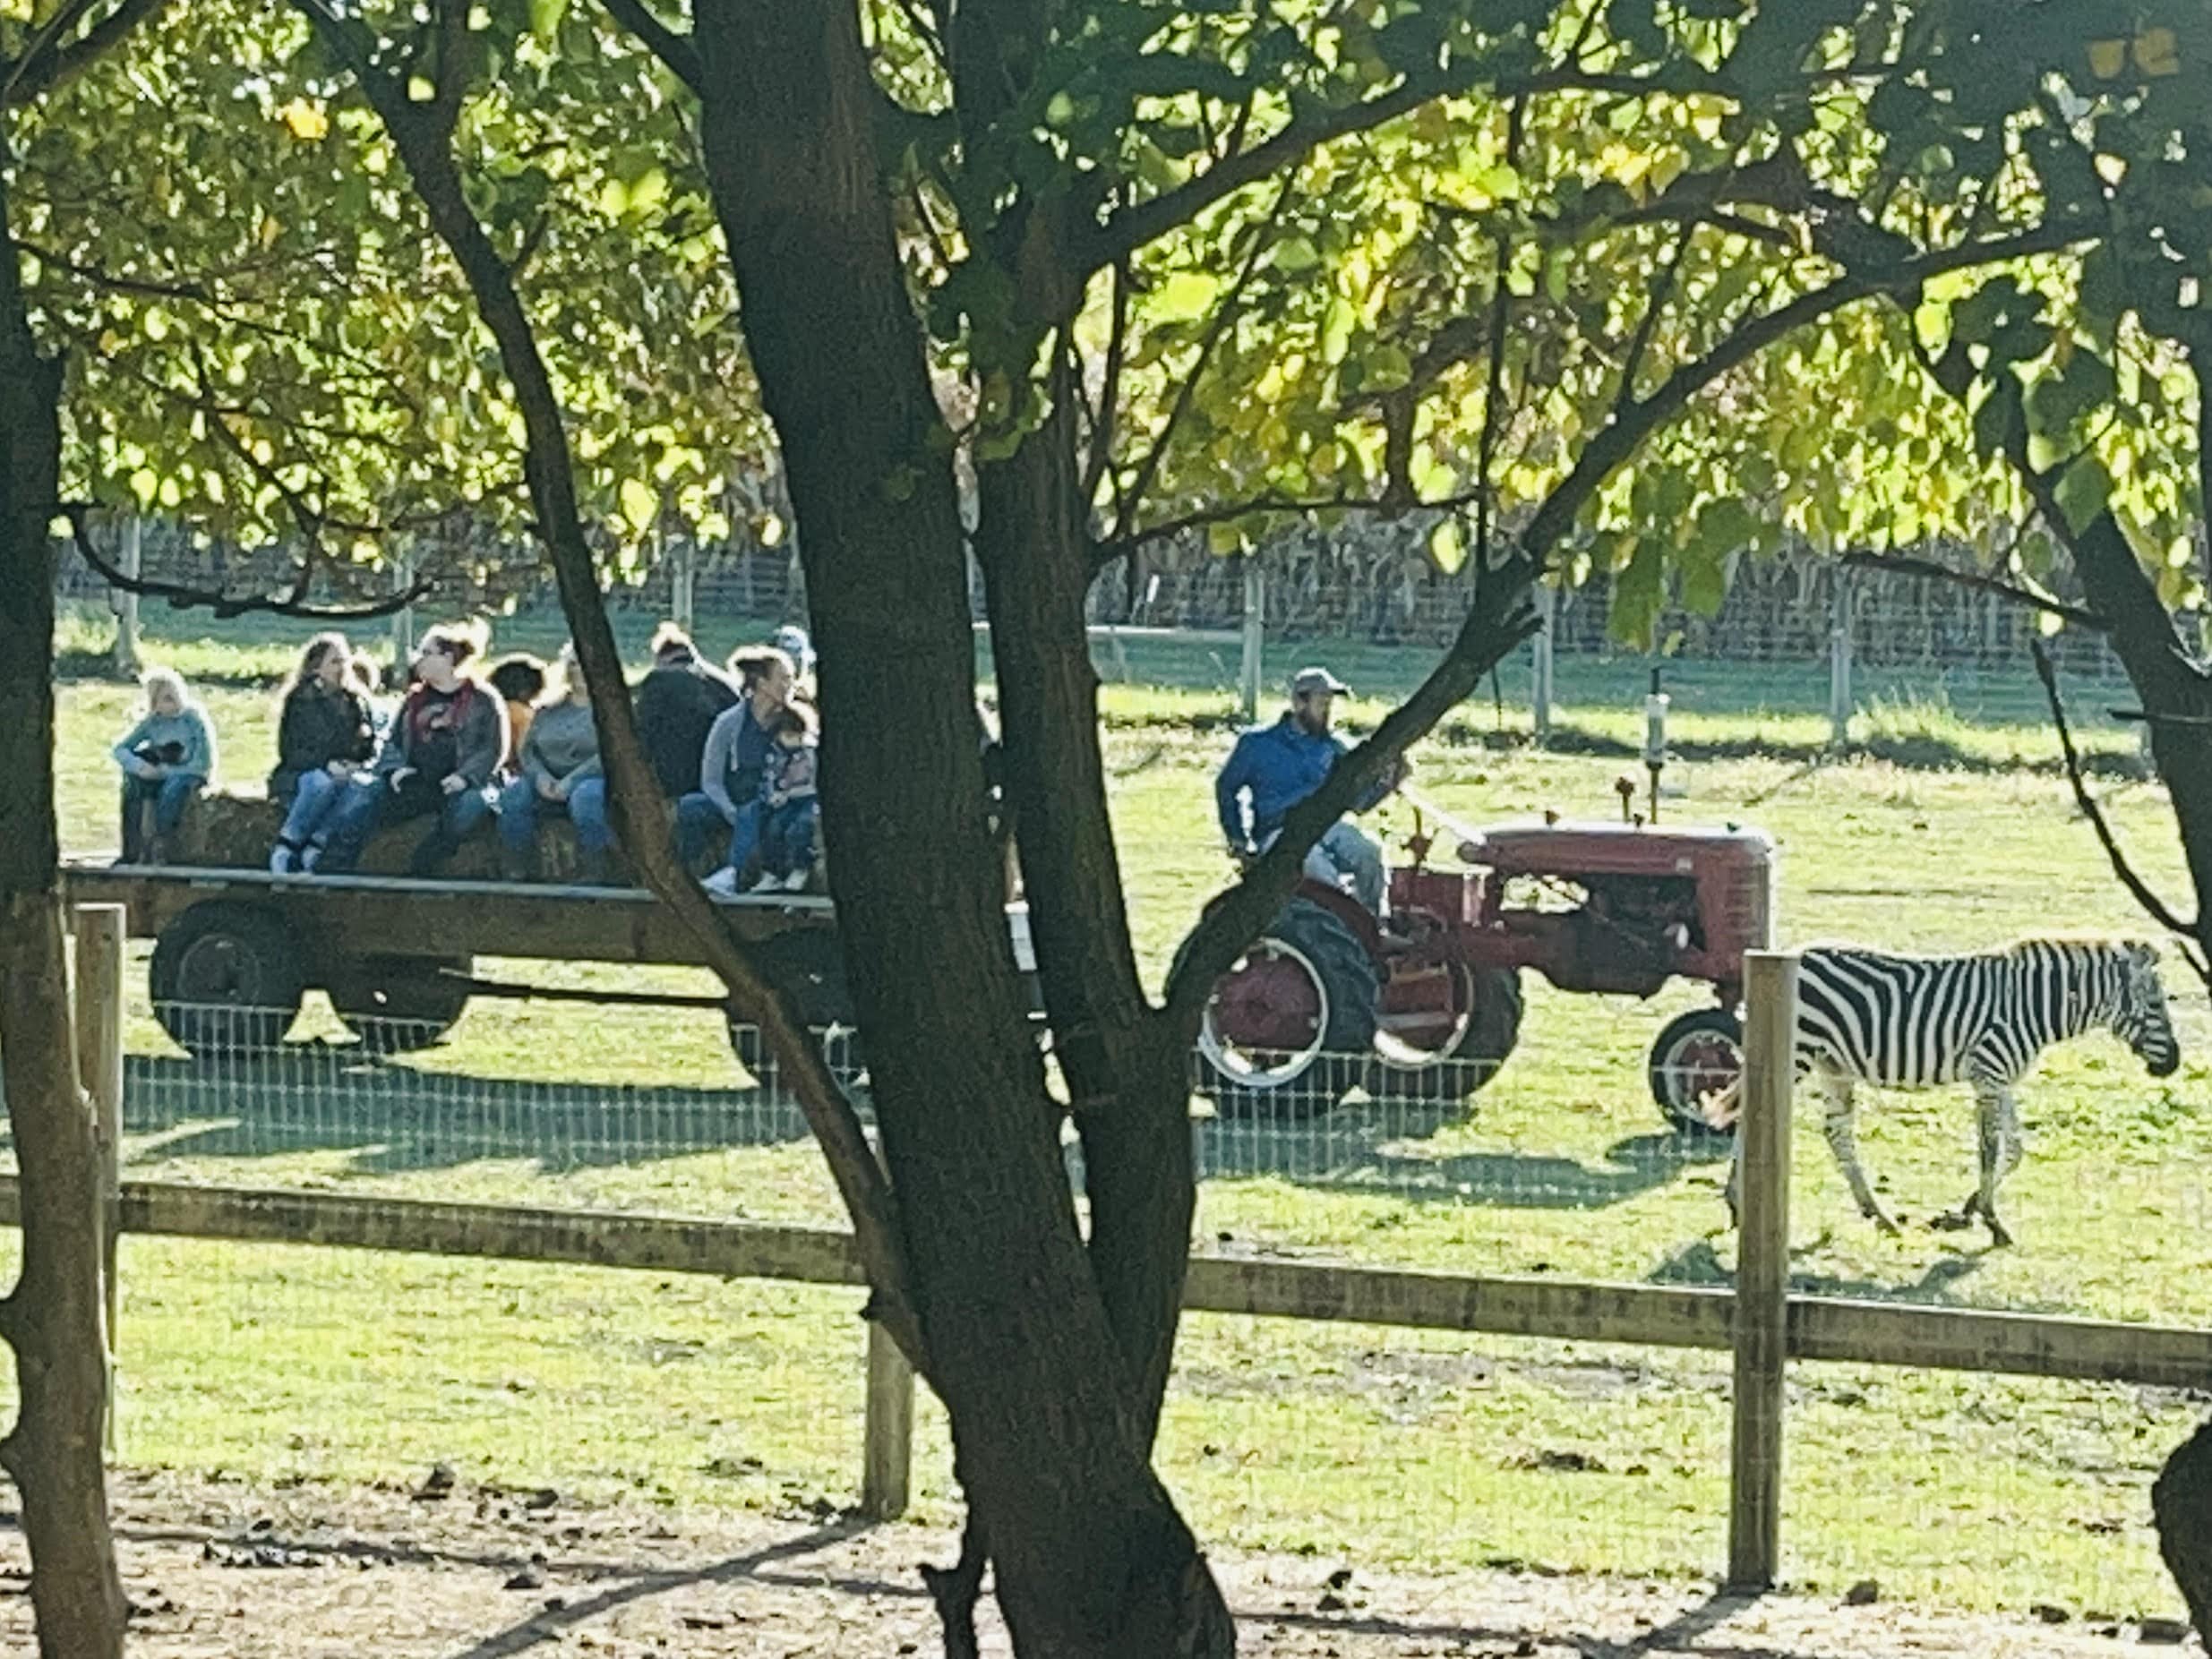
x: 683, y: 584
x: 99, y: 930
x: 1839, y: 660
x: 1540, y: 664
x: 887, y: 1436
x: 125, y: 601
x: 403, y: 620
x: 1254, y: 636
x: 1761, y: 1311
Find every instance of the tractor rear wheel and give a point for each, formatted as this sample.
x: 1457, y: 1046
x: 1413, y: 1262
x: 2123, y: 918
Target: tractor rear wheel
x: 1290, y: 1027
x: 1698, y: 1056
x: 1454, y: 1055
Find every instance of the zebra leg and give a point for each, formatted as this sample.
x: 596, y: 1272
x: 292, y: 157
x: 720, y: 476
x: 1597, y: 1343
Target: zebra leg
x: 1843, y: 1142
x: 2000, y: 1137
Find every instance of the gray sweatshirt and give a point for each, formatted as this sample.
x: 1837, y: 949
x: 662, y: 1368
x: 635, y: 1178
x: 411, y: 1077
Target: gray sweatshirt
x: 561, y: 745
x: 190, y: 732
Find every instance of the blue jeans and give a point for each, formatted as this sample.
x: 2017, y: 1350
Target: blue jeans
x: 372, y: 804
x: 520, y: 807
x: 787, y: 837
x: 168, y: 796
x: 1346, y: 852
x: 315, y: 797
x: 697, y: 818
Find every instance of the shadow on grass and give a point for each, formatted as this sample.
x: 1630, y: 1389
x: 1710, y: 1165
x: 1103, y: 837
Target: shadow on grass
x: 393, y: 1119
x: 1376, y: 1149
x: 1699, y: 1264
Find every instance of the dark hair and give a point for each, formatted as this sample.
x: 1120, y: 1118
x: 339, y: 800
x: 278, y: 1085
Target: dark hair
x: 753, y: 664
x: 794, y: 719
x: 457, y: 640
x: 364, y: 673
x: 518, y: 678
x: 310, y: 659
x: 668, y: 637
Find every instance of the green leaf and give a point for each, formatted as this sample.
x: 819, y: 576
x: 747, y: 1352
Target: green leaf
x: 640, y: 506
x: 2083, y: 493
x: 1447, y: 545
x: 1184, y: 297
x: 546, y: 18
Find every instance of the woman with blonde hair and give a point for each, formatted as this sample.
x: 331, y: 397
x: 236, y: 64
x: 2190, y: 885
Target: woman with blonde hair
x: 324, y: 737
x: 557, y: 771
x: 167, y: 759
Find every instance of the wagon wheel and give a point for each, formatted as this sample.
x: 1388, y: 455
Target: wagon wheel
x: 1698, y: 1056
x: 1453, y: 1047
x: 1289, y: 1029
x: 811, y: 965
x: 395, y: 1005
x: 225, y: 980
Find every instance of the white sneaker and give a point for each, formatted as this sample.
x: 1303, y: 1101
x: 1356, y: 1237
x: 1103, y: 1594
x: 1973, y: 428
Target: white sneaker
x: 281, y: 861
x: 796, y: 882
x: 311, y: 858
x: 768, y: 884
x: 724, y: 882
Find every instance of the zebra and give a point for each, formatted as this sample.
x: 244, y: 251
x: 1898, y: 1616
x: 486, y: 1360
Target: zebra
x: 1915, y: 1021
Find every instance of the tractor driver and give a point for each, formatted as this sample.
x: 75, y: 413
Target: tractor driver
x: 1275, y: 767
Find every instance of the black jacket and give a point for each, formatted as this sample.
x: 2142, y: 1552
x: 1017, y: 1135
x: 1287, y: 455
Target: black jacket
x: 317, y: 727
x: 677, y: 705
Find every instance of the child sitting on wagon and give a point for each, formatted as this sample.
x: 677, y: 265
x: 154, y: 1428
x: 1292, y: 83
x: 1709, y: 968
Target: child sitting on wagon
x: 789, y: 808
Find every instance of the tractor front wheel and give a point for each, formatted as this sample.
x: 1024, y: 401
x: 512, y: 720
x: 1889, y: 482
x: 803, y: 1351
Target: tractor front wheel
x: 1698, y: 1056
x: 1289, y: 1029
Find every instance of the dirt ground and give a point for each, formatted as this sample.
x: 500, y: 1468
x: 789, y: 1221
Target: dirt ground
x: 452, y: 1572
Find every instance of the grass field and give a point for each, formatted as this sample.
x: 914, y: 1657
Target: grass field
x: 287, y: 1364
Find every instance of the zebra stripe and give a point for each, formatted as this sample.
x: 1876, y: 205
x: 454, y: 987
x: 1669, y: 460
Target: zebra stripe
x: 1915, y: 1021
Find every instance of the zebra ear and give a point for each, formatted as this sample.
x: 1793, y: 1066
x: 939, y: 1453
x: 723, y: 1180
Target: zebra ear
x: 2143, y: 956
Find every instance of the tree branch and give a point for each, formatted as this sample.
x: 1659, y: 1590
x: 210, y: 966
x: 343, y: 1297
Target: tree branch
x: 2155, y: 907
x: 36, y: 73
x: 1226, y: 313
x: 1102, y: 453
x: 641, y: 822
x: 1902, y: 564
x: 184, y: 597
x: 676, y: 51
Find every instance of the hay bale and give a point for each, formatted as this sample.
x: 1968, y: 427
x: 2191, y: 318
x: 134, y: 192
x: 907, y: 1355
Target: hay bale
x: 237, y: 831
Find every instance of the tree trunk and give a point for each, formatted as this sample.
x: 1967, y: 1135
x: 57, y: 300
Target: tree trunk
x: 1091, y: 1558
x: 1128, y: 1076
x: 2182, y: 1502
x: 52, y: 1319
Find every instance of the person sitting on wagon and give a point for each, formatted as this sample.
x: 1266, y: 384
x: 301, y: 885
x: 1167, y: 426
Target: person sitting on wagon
x: 677, y: 704
x: 789, y: 809
x: 1275, y: 767
x: 735, y: 759
x: 167, y: 759
x: 520, y: 681
x: 324, y: 737
x: 447, y: 740
x: 557, y: 771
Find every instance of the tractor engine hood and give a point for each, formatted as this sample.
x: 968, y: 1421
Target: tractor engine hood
x: 1614, y: 849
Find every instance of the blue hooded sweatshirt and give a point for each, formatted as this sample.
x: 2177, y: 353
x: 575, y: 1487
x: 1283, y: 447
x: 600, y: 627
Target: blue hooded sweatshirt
x: 1278, y: 767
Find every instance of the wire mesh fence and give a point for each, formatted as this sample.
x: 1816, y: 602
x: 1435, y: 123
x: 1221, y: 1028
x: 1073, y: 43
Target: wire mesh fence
x: 1425, y: 1450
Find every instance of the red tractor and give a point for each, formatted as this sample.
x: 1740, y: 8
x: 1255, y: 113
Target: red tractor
x: 1427, y: 1004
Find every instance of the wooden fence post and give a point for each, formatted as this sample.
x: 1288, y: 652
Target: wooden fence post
x: 126, y: 601
x: 1762, y: 1311
x: 1252, y: 669
x: 887, y: 1447
x: 1540, y: 665
x: 99, y: 930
